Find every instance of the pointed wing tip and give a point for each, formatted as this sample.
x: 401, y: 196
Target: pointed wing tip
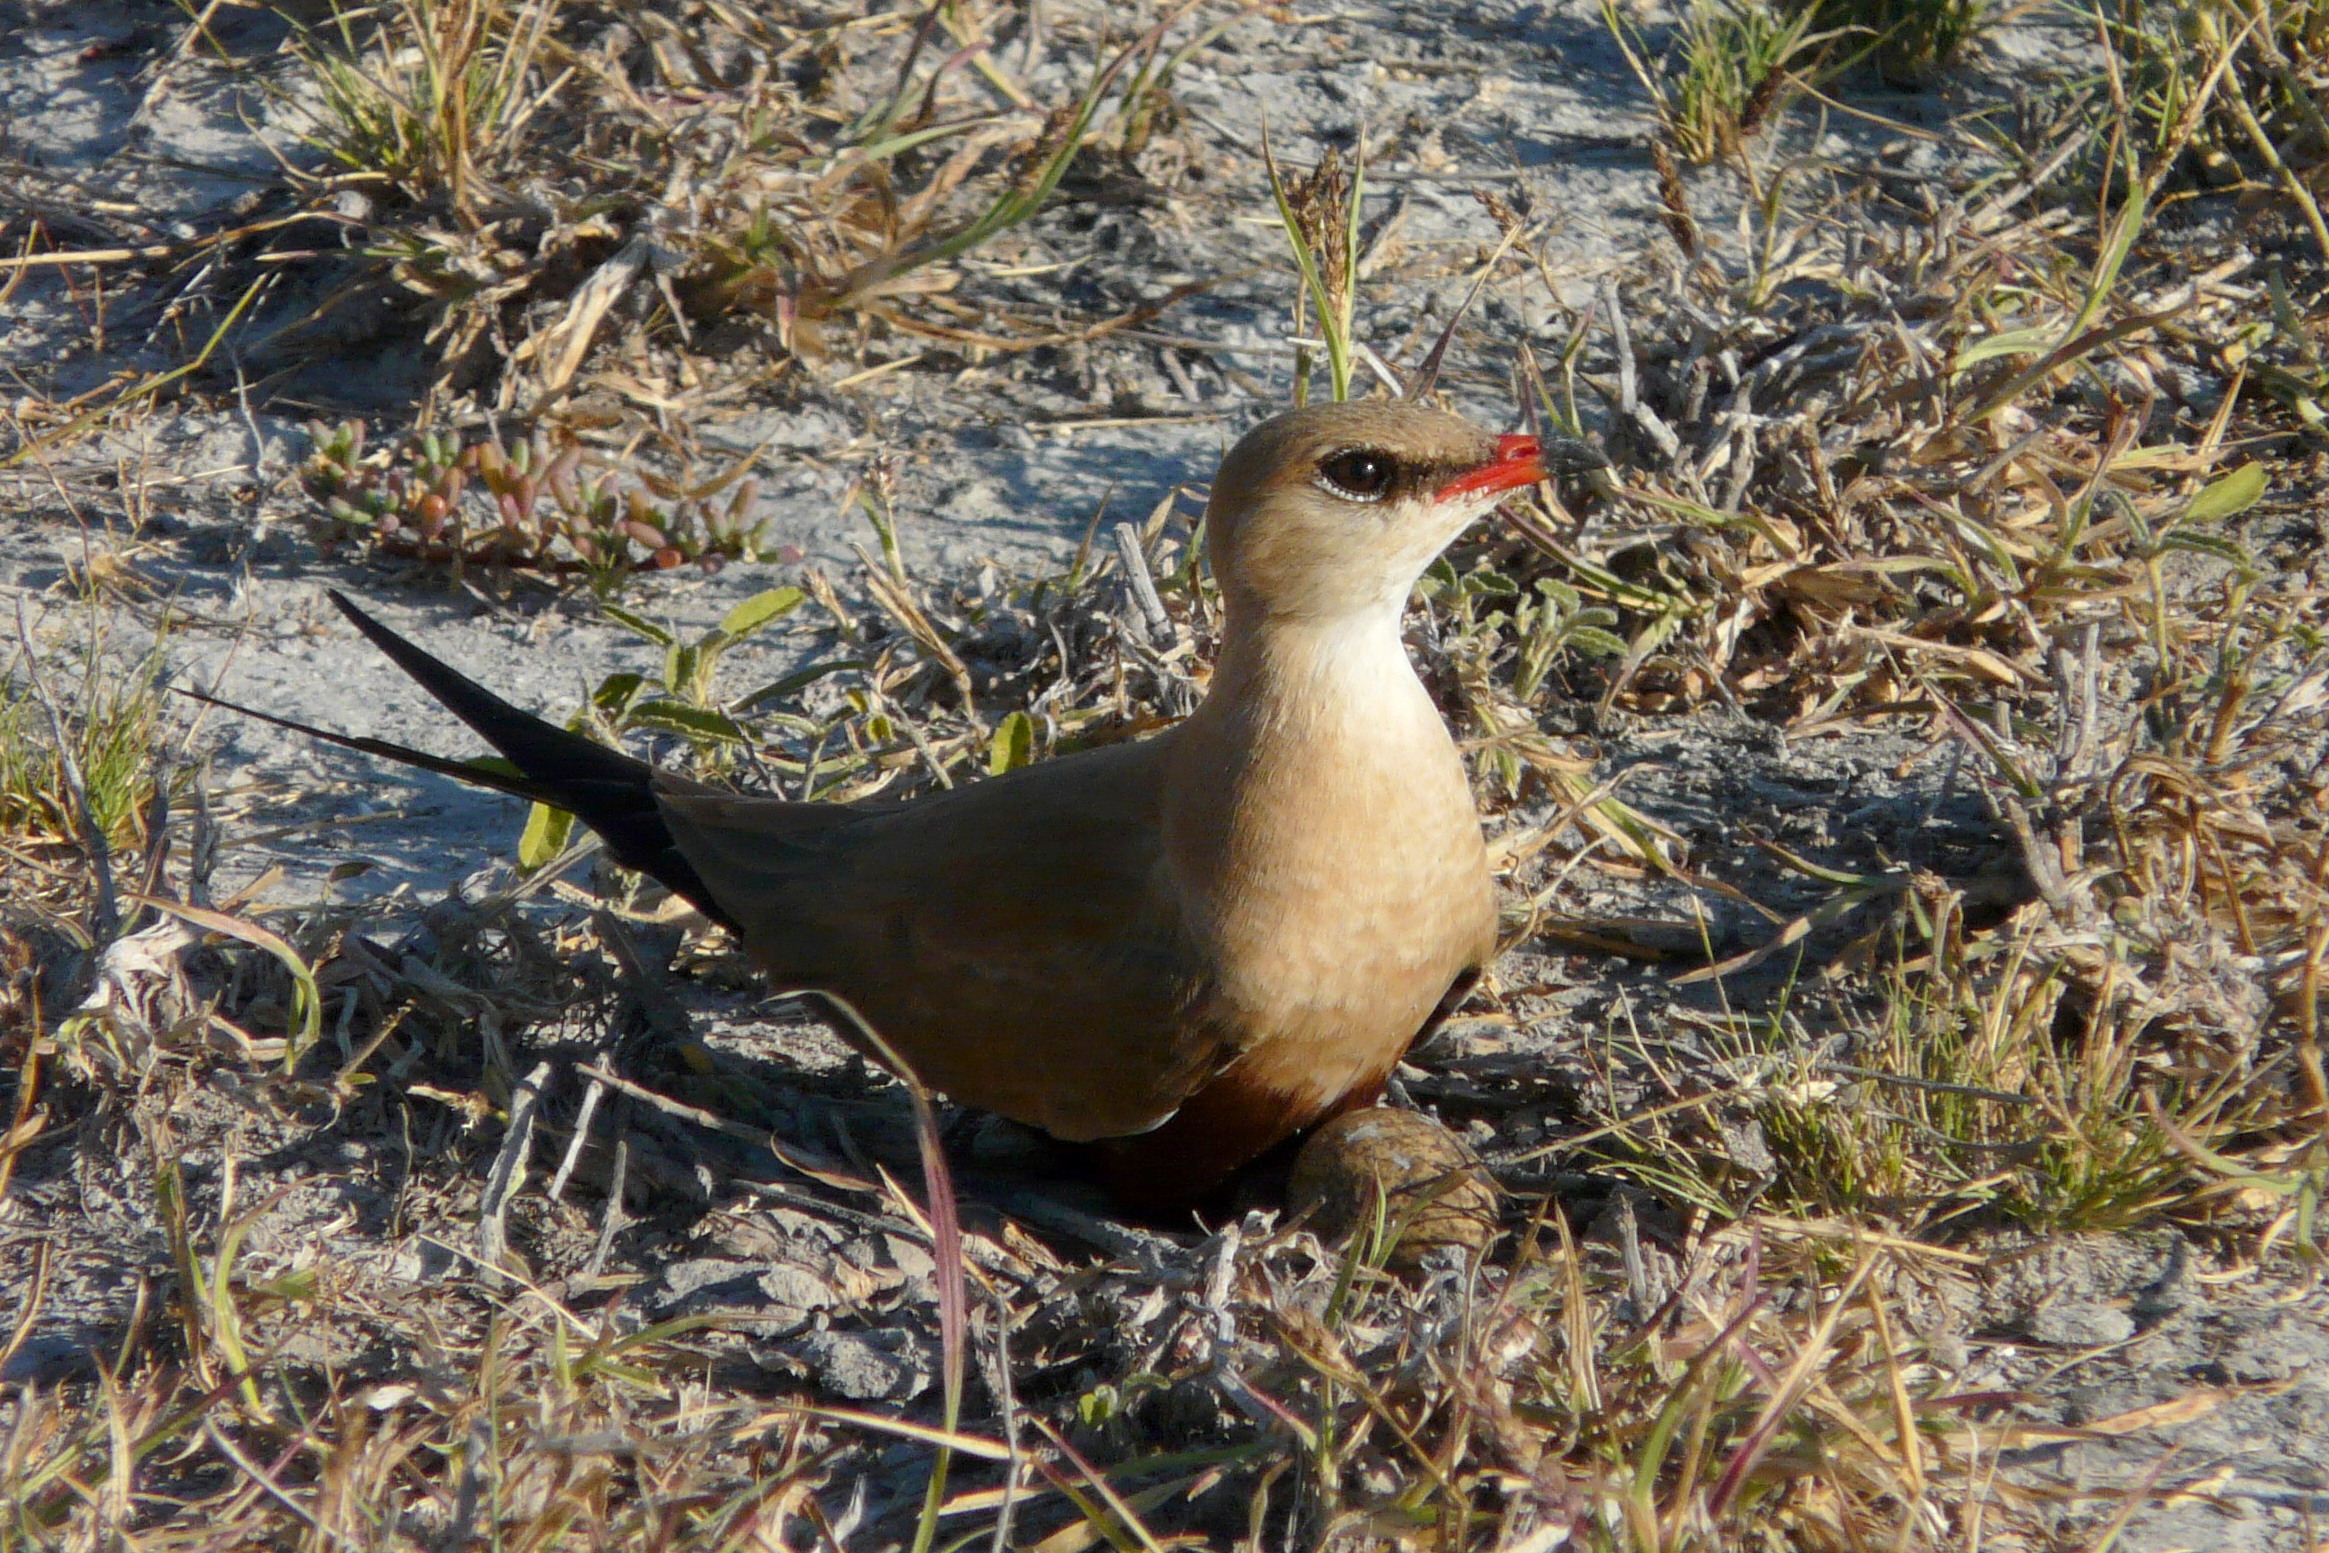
x: 356, y: 615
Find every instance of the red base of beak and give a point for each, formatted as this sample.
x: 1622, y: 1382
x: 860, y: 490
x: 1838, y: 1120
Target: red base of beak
x: 1518, y: 462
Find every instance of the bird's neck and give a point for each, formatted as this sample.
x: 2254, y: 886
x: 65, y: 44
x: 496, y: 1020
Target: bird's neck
x: 1311, y: 717
x: 1283, y: 676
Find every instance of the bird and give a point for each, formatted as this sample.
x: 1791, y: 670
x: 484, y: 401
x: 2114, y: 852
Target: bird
x: 1171, y: 954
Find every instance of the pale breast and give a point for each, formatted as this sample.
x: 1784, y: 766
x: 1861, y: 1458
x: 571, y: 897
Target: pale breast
x: 1329, y: 840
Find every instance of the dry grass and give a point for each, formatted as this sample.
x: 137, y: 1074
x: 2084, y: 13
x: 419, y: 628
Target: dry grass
x: 811, y: 181
x: 2001, y: 469
x: 2238, y: 91
x: 589, y: 216
x: 800, y: 194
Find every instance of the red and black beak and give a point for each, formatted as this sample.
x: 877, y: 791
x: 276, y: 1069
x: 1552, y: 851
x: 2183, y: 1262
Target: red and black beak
x: 1518, y: 462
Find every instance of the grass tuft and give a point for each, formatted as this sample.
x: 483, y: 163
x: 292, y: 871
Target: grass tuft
x: 1734, y: 67
x: 535, y: 506
x: 819, y: 203
x: 94, y: 739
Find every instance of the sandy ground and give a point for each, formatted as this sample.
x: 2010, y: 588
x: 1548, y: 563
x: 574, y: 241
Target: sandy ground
x: 1529, y: 99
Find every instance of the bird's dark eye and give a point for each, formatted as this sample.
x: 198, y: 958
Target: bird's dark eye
x: 1358, y: 474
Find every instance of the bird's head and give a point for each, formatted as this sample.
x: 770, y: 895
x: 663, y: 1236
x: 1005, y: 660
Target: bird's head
x: 1334, y: 510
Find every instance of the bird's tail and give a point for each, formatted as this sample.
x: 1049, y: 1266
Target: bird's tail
x: 609, y: 791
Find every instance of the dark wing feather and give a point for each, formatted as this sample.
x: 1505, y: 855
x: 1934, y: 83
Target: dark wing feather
x: 402, y: 754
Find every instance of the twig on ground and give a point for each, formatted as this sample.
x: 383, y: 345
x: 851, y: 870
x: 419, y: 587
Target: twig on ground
x: 509, y: 1167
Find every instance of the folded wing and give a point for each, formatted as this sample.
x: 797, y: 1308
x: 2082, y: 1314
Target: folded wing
x: 1017, y: 940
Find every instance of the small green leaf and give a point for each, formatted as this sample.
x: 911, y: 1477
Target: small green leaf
x: 759, y: 610
x: 1653, y: 635
x: 616, y: 692
x: 546, y: 834
x: 2006, y: 342
x: 1600, y: 644
x: 301, y: 1286
x: 640, y: 624
x: 2125, y: 228
x: 1564, y: 597
x: 1014, y: 744
x: 689, y: 722
x: 2238, y: 491
x: 1492, y: 583
x: 2211, y: 544
x: 798, y: 679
